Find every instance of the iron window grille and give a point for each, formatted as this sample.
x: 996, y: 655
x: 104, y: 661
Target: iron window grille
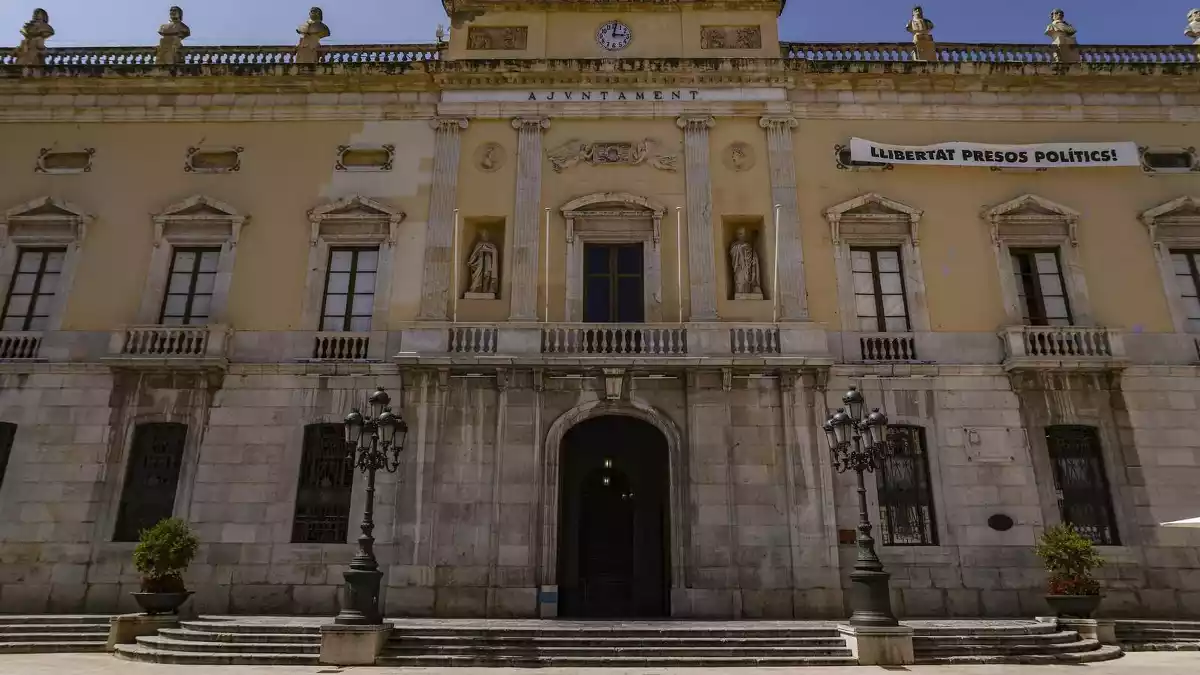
x: 151, y: 479
x: 31, y: 293
x: 325, y: 487
x: 1080, y: 483
x: 906, y: 512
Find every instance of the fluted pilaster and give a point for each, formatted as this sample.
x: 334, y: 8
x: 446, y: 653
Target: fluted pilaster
x: 702, y: 268
x: 793, y: 300
x: 439, y: 237
x: 524, y: 264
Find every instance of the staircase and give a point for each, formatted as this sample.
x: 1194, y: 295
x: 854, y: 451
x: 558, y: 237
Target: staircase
x: 223, y: 641
x: 52, y: 633
x: 1158, y: 636
x: 1020, y: 642
x: 485, y: 643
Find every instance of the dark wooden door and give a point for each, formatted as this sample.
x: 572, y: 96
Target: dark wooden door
x: 613, y: 286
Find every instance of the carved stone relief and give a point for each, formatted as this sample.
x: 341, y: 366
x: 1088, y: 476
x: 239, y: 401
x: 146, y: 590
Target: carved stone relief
x: 739, y: 156
x: 490, y: 157
x: 497, y: 37
x: 731, y: 37
x: 645, y: 151
x: 59, y: 161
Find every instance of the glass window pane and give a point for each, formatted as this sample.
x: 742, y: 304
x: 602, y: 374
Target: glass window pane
x: 38, y: 323
x: 1186, y: 284
x: 889, y: 261
x: 175, y: 306
x: 185, y: 261
x: 1056, y: 308
x: 595, y: 259
x: 335, y: 305
x: 861, y: 260
x: 31, y: 261
x: 18, y: 305
x: 1047, y: 263
x: 205, y: 283
x: 865, y: 305
x: 864, y: 283
x: 339, y: 282
x: 1191, y: 306
x: 200, y: 305
x: 868, y: 324
x: 364, y: 282
x: 597, y: 295
x: 897, y: 324
x: 54, y: 261
x: 339, y: 260
x: 889, y: 282
x: 1180, y: 262
x: 172, y: 320
x: 208, y: 261
x: 1051, y: 284
x: 23, y: 283
x: 180, y: 283
x: 49, y: 284
x: 43, y: 305
x: 362, y: 304
x: 360, y: 324
x: 629, y: 259
x: 18, y: 323
x: 333, y: 323
x: 368, y: 261
x: 1193, y: 325
x: 893, y: 305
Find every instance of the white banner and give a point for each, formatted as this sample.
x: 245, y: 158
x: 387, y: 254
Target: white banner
x: 1037, y: 156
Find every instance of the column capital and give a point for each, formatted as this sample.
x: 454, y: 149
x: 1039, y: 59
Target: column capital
x: 530, y: 123
x: 449, y: 123
x: 768, y: 121
x: 694, y: 121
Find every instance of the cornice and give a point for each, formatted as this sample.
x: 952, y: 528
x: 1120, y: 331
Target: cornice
x: 466, y: 9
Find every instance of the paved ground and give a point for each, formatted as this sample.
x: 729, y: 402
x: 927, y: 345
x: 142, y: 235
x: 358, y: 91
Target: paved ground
x: 1141, y: 663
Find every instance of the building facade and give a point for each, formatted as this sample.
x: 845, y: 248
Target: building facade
x: 615, y: 262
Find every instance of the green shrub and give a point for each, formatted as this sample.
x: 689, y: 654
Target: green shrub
x: 1069, y: 558
x: 163, y: 554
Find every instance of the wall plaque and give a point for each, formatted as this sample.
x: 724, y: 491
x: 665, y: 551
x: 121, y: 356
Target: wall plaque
x: 731, y: 37
x: 497, y: 37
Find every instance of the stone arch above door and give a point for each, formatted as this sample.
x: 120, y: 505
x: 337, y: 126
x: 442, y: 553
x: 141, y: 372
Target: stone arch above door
x: 614, y: 218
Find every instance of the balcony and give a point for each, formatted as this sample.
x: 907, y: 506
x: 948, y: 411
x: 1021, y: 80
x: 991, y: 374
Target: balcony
x: 606, y: 339
x: 1062, y: 348
x: 887, y: 348
x: 20, y: 345
x: 342, y: 346
x: 169, y: 347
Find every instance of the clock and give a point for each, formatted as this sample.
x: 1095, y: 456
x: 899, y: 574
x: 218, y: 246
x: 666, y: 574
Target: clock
x: 614, y: 36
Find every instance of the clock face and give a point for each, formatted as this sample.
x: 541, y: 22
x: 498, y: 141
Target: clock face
x: 614, y: 36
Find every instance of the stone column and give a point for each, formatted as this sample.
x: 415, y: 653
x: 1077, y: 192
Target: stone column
x: 702, y: 270
x: 439, y: 236
x: 793, y: 301
x: 523, y: 275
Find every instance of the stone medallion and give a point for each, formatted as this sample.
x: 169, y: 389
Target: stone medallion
x: 739, y: 156
x: 490, y: 157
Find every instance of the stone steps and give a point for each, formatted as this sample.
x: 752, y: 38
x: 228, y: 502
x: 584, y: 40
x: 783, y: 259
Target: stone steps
x: 28, y: 634
x: 224, y: 642
x: 454, y: 642
x: 609, y: 661
x: 1158, y: 636
x: 1020, y: 643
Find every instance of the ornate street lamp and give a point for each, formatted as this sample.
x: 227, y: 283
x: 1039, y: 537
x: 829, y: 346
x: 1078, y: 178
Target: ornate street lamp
x: 859, y: 443
x: 373, y: 443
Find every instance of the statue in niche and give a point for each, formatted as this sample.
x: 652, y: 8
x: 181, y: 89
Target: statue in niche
x: 1062, y: 36
x: 35, y: 32
x: 485, y: 272
x: 922, y: 35
x: 311, y: 33
x: 747, y: 284
x: 1193, y: 30
x: 171, y: 37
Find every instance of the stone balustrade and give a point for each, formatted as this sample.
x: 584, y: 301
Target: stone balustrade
x: 641, y: 339
x: 19, y: 345
x: 473, y: 339
x: 233, y: 55
x: 751, y: 340
x: 341, y: 346
x: 1062, y: 346
x: 887, y: 52
x: 887, y: 347
x: 201, y: 345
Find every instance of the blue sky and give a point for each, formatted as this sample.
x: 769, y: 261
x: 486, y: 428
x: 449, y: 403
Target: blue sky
x: 128, y: 22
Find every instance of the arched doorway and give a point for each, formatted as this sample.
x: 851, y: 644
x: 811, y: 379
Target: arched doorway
x: 613, y: 559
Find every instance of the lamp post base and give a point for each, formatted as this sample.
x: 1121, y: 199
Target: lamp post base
x: 871, y: 599
x: 361, y: 606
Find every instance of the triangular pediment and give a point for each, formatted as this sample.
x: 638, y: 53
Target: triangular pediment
x: 356, y: 207
x: 871, y: 205
x: 200, y: 206
x: 1031, y: 206
x: 1183, y: 208
x: 46, y: 208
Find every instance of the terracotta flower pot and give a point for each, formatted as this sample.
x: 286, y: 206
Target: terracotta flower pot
x: 161, y: 603
x: 1074, y: 606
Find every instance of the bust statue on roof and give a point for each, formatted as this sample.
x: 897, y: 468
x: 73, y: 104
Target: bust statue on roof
x: 35, y: 32
x: 311, y: 33
x: 171, y: 37
x: 1062, y: 36
x: 1193, y: 29
x: 922, y: 35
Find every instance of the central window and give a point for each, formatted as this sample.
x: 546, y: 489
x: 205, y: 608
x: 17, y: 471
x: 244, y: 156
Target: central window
x: 350, y: 289
x: 1041, y: 291
x: 613, y: 283
x: 190, y: 286
x: 879, y: 290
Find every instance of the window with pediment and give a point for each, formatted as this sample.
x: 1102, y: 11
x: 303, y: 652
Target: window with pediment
x: 1037, y: 257
x: 1174, y: 229
x: 39, y: 248
x: 191, y: 268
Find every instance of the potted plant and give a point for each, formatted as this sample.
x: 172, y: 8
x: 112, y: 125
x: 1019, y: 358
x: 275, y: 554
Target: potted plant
x: 162, y: 555
x: 1070, y: 558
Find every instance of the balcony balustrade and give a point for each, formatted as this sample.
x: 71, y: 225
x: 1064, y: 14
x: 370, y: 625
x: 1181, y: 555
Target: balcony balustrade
x: 341, y: 346
x: 615, y: 339
x: 20, y: 345
x: 169, y: 346
x: 1062, y: 347
x: 887, y: 348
